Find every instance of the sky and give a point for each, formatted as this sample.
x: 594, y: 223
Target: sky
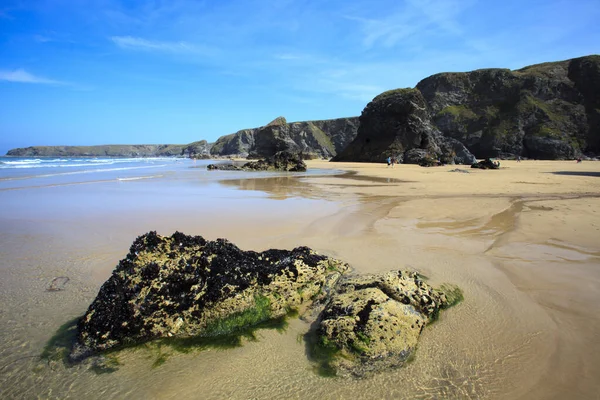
x: 86, y: 72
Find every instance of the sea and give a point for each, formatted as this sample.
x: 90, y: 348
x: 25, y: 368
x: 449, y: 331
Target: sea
x: 29, y: 172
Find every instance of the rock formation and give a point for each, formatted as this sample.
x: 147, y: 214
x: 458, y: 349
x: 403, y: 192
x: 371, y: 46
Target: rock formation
x: 314, y: 139
x: 113, y: 150
x: 235, y: 144
x: 187, y: 286
x: 281, y: 161
x: 397, y: 124
x: 199, y: 149
x: 374, y: 322
x: 544, y: 111
x: 486, y: 164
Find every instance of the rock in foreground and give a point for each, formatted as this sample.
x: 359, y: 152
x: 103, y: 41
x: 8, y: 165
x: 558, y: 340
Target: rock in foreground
x: 282, y: 161
x: 374, y: 322
x: 187, y: 286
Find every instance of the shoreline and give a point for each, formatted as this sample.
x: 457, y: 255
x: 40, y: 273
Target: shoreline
x: 520, y: 242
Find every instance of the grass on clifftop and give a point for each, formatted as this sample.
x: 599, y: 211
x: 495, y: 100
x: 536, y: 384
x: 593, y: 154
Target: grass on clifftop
x: 394, y: 92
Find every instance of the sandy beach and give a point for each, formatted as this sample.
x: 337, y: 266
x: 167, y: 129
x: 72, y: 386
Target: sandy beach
x: 522, y: 242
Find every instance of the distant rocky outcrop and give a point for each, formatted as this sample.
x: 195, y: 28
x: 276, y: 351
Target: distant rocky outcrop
x: 486, y: 164
x: 199, y: 149
x: 281, y: 161
x: 235, y: 144
x: 114, y: 150
x: 182, y: 286
x: 397, y: 124
x: 544, y: 111
x: 314, y: 139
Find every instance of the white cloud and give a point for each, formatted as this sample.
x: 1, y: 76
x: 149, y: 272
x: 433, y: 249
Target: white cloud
x: 22, y: 76
x: 41, y: 38
x: 135, y: 43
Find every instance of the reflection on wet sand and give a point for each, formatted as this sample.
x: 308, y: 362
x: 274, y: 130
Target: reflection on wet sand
x: 283, y: 187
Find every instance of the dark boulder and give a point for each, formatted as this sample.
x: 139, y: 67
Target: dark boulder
x: 486, y: 164
x: 281, y: 161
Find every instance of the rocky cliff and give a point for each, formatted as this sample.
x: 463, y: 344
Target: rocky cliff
x: 114, y: 150
x: 323, y: 138
x: 397, y: 124
x: 544, y: 111
x: 238, y: 143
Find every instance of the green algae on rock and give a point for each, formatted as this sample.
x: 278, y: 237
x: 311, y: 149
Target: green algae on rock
x: 185, y: 286
x: 373, y: 322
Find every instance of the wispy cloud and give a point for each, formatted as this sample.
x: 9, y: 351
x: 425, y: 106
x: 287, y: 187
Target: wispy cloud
x: 415, y: 21
x: 22, y: 76
x: 289, y: 56
x: 41, y: 38
x: 136, y: 43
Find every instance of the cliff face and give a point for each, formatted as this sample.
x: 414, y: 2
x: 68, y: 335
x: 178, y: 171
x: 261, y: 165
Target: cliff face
x: 545, y: 111
x: 117, y: 150
x: 238, y: 143
x: 324, y: 138
x: 199, y: 149
x: 397, y: 124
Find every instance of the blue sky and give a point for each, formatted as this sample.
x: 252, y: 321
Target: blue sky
x: 86, y: 72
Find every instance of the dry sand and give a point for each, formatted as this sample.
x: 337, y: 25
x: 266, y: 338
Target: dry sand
x: 523, y: 243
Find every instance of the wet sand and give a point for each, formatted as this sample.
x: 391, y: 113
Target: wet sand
x: 522, y: 242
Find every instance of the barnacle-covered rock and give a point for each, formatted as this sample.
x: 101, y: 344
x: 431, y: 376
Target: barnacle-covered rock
x: 187, y: 286
x: 373, y: 322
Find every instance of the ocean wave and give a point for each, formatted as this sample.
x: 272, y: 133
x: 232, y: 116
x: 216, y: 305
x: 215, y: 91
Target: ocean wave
x: 86, y: 171
x: 22, y: 162
x: 135, y: 178
x: 78, y: 162
x: 47, y: 166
